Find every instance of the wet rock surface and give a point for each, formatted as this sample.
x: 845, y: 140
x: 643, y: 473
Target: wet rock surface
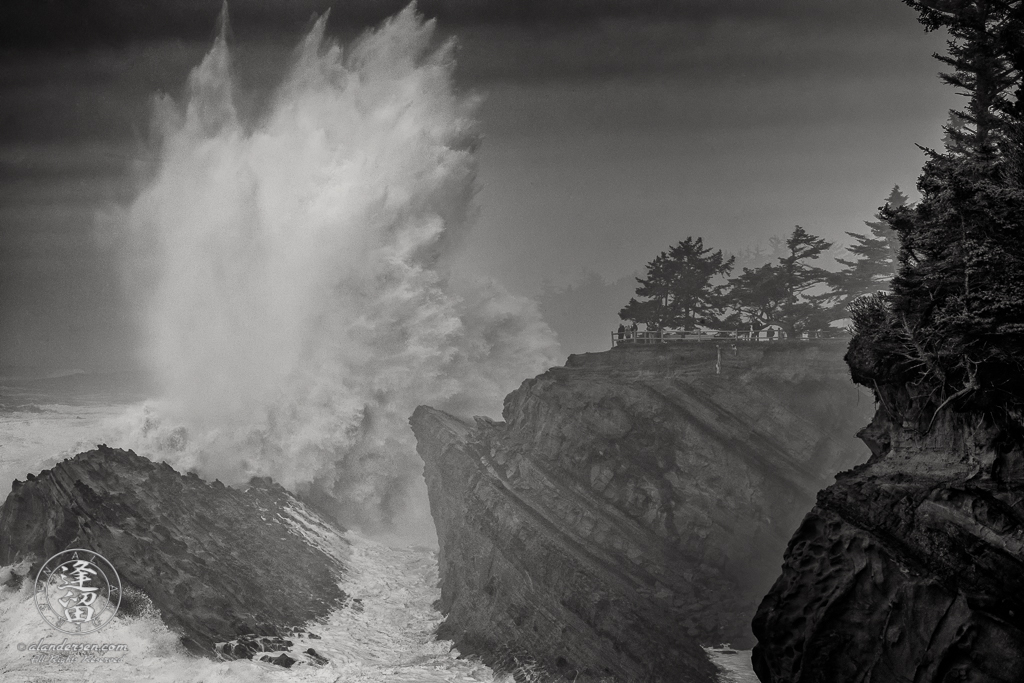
x: 633, y: 505
x: 236, y: 567
x: 910, y: 568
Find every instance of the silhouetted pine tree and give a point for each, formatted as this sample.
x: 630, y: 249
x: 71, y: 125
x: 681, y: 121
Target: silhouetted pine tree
x: 876, y: 257
x: 780, y: 292
x: 678, y: 288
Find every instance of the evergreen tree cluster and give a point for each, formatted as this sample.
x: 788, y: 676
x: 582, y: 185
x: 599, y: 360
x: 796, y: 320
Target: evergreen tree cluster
x: 689, y: 285
x: 953, y: 325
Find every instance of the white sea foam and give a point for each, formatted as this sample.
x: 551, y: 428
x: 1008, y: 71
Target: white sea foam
x: 33, y: 441
x: 293, y: 274
x: 390, y: 638
x: 733, y: 665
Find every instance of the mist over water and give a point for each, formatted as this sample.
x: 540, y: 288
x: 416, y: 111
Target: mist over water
x: 293, y: 274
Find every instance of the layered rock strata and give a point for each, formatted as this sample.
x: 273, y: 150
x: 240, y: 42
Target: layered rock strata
x: 909, y: 568
x: 219, y: 564
x: 634, y: 504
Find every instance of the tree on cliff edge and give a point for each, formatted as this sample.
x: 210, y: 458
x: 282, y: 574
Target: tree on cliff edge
x: 784, y: 292
x: 954, y: 324
x: 678, y: 289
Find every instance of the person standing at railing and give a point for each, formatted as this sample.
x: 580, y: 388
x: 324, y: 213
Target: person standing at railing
x: 622, y: 332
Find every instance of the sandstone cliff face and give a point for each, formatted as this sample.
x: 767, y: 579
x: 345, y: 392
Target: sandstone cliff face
x: 634, y: 504
x: 910, y: 568
x: 220, y: 564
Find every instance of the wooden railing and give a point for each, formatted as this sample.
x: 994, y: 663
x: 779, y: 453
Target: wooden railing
x: 672, y: 336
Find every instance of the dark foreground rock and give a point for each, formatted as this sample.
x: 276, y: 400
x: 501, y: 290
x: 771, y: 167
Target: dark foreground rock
x: 910, y: 568
x: 218, y: 563
x: 634, y: 505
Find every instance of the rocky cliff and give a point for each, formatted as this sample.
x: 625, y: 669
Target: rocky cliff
x: 221, y: 565
x: 909, y: 568
x: 634, y: 504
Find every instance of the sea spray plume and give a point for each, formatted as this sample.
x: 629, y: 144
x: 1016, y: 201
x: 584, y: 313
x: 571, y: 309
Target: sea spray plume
x: 297, y: 291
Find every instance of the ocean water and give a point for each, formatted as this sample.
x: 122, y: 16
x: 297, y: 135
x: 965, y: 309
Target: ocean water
x: 44, y: 421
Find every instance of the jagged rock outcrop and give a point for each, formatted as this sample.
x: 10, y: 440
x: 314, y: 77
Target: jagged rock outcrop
x: 909, y: 568
x: 218, y: 563
x: 634, y: 504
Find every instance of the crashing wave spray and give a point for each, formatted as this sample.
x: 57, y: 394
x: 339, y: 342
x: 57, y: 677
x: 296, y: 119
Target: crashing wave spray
x: 294, y: 272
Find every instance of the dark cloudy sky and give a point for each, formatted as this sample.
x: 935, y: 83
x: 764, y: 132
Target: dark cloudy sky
x: 613, y: 128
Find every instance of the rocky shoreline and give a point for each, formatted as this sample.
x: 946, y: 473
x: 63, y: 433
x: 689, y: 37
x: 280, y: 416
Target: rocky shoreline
x: 218, y: 564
